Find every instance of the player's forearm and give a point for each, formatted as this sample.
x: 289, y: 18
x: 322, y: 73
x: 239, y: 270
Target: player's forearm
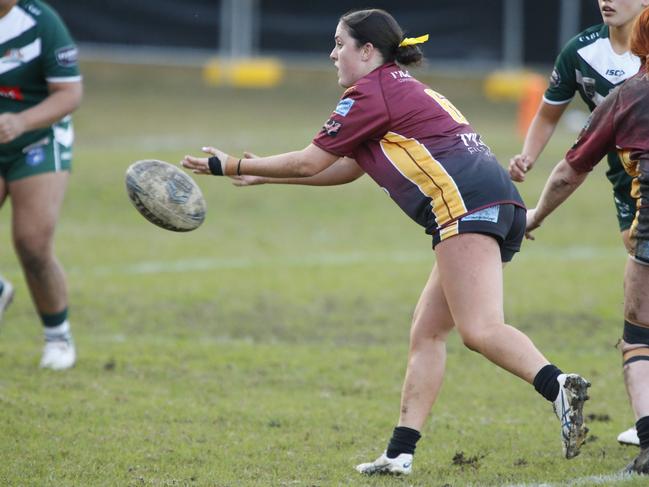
x: 563, y: 181
x: 342, y: 171
x: 539, y: 133
x: 57, y: 105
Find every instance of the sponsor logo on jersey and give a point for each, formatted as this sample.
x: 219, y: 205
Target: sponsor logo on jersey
x: 331, y: 127
x: 487, y: 215
x: 589, y: 37
x: 33, y: 9
x: 344, y: 106
x: 589, y: 86
x: 67, y: 56
x: 615, y: 72
x: 400, y: 74
x: 11, y: 92
x: 555, y: 78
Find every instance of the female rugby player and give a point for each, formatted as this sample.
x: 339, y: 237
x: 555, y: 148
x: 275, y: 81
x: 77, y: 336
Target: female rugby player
x: 620, y: 122
x: 418, y: 147
x: 40, y: 86
x: 592, y: 63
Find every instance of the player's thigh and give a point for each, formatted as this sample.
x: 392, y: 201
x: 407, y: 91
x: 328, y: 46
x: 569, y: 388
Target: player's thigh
x: 36, y: 205
x: 432, y: 317
x: 3, y: 192
x: 471, y: 275
x: 636, y: 292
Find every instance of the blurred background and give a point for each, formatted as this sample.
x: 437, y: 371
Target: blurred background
x: 467, y: 33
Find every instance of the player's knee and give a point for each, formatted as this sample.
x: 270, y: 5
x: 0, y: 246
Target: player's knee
x: 34, y: 254
x: 635, y: 343
x: 475, y: 338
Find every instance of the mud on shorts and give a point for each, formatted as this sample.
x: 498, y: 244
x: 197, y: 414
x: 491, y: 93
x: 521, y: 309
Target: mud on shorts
x: 51, y: 153
x: 625, y: 207
x: 506, y: 223
x: 640, y: 228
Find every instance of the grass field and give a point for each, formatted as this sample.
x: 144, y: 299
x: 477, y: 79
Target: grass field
x: 268, y: 346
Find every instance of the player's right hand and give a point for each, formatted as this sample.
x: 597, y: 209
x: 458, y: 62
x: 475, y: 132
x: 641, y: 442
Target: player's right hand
x: 519, y: 165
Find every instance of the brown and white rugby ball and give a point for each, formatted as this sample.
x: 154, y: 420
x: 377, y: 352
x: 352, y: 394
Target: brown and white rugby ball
x: 165, y: 195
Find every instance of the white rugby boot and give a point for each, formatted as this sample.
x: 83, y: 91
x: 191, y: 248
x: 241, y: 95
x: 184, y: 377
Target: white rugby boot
x: 568, y: 406
x: 629, y: 437
x: 401, y: 465
x: 6, y: 296
x: 58, y: 355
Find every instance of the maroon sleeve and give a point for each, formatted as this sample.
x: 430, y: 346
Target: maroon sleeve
x: 361, y: 114
x: 597, y: 138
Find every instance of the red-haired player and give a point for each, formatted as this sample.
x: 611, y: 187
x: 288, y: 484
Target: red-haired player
x: 620, y: 122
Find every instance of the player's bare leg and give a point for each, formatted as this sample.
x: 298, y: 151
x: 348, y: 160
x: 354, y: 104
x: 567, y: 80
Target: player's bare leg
x: 426, y: 361
x: 36, y: 205
x: 6, y: 288
x: 431, y: 325
x: 471, y: 275
x: 635, y: 349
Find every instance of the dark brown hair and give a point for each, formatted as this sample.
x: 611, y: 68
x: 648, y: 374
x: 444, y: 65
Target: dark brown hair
x: 379, y: 28
x: 640, y: 37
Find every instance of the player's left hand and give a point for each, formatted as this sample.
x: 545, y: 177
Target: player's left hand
x: 200, y: 165
x: 532, y: 223
x: 12, y: 126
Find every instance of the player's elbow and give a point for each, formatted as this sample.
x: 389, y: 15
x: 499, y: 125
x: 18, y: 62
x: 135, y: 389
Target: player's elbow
x: 75, y: 97
x: 306, y: 166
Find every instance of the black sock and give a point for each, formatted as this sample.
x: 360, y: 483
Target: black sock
x: 404, y: 440
x: 642, y: 425
x: 546, y: 382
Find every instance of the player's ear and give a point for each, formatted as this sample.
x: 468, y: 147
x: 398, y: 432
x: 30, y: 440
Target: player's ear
x: 368, y: 49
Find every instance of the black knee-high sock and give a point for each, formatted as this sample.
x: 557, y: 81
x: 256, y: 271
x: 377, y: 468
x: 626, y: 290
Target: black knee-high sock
x: 546, y: 382
x: 642, y: 425
x: 404, y: 440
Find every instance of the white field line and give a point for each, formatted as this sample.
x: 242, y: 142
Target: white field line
x: 577, y: 253
x: 616, y: 478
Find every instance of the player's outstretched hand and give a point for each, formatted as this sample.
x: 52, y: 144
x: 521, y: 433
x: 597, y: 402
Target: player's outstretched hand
x: 518, y: 167
x: 532, y: 223
x: 201, y: 165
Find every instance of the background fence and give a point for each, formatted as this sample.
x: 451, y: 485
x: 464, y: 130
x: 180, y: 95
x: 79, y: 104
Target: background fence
x: 467, y: 32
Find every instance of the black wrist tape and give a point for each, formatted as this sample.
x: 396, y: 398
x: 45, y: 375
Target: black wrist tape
x: 215, y: 166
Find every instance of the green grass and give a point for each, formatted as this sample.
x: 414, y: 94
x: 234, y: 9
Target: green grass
x: 268, y: 346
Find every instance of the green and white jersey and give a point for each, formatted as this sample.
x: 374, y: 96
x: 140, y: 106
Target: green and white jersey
x: 35, y: 48
x: 589, y: 64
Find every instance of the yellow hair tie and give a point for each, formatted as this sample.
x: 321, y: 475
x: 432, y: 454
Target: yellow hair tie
x: 411, y: 41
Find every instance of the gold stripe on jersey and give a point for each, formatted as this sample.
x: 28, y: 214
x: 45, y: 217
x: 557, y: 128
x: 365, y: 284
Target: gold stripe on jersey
x: 414, y: 162
x: 631, y: 168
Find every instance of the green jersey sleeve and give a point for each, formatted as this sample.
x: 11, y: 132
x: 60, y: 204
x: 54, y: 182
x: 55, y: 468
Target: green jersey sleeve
x: 59, y: 52
x: 563, y: 81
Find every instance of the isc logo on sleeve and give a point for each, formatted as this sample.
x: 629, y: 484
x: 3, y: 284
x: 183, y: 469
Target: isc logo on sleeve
x: 344, y: 106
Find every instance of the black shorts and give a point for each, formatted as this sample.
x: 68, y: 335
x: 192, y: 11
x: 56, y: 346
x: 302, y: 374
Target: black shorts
x: 506, y: 223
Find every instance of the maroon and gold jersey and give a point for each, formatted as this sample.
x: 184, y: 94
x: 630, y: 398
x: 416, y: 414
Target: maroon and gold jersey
x: 418, y: 147
x: 620, y: 122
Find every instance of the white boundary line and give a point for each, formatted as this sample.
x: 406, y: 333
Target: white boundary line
x: 556, y: 254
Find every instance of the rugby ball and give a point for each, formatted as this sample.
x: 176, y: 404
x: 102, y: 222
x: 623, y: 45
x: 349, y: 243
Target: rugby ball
x: 165, y: 195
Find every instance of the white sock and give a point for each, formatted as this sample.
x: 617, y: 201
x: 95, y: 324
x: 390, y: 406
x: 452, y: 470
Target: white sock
x: 58, y: 333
